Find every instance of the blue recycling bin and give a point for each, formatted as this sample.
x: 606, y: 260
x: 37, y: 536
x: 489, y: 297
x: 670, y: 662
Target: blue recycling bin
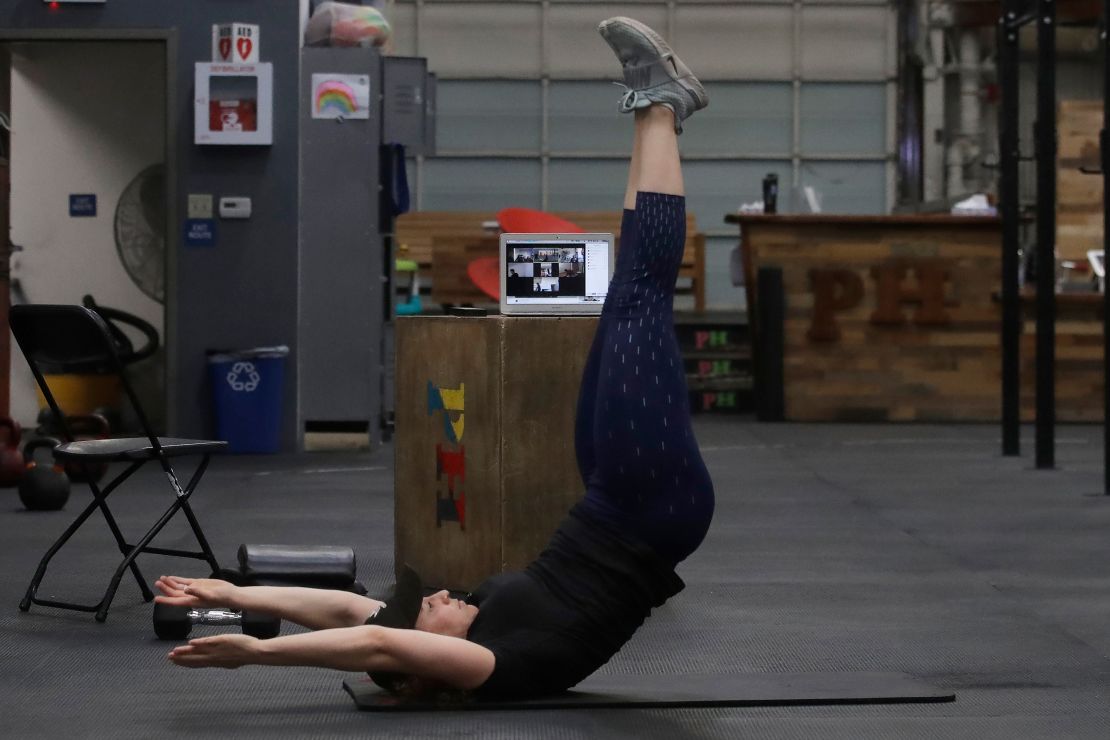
x: 247, y: 388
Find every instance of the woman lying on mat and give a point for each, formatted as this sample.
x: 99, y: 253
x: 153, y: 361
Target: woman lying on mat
x: 648, y: 500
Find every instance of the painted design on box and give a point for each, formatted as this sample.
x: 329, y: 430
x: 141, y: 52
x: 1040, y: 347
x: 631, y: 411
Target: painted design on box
x: 450, y: 457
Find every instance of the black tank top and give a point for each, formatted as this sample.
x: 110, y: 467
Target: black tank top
x: 564, y: 616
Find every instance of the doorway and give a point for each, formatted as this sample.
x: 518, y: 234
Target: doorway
x: 89, y: 147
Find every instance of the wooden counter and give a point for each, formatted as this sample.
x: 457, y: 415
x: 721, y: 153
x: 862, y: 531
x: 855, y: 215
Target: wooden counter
x: 837, y: 220
x: 895, y: 318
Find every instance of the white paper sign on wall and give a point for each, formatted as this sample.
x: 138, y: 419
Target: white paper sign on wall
x: 235, y: 43
x: 340, y: 96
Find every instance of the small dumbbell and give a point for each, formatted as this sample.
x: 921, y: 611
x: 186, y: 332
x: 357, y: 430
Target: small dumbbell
x: 175, y: 622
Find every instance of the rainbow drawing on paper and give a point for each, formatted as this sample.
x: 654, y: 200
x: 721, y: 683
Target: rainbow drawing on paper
x: 340, y: 96
x: 336, y: 96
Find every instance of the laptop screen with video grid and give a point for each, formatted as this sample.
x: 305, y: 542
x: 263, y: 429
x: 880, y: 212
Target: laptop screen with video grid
x: 555, y: 273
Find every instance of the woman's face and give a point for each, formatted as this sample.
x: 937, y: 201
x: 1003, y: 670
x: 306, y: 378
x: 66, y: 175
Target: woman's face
x: 441, y: 614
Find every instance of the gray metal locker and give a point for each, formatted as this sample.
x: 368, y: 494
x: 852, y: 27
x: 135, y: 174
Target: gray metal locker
x: 340, y: 292
x: 403, y: 106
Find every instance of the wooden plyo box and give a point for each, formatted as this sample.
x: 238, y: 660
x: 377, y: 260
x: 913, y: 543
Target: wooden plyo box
x: 484, y: 444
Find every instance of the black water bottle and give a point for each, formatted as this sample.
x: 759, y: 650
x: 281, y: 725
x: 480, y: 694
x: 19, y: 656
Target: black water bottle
x: 770, y: 193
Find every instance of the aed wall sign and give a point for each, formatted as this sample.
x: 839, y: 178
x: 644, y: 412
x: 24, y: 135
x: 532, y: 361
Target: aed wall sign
x: 905, y: 291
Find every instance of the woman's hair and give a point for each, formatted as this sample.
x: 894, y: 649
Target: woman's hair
x: 399, y: 611
x: 408, y: 688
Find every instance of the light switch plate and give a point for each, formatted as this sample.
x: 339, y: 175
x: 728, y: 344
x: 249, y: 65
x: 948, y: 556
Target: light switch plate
x: 200, y: 205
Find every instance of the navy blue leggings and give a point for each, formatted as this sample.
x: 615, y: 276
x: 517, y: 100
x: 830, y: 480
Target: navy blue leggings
x: 635, y: 446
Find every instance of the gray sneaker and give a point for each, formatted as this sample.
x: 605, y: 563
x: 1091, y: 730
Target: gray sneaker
x: 653, y: 73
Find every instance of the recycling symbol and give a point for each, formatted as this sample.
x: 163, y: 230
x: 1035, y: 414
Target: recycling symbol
x: 243, y: 377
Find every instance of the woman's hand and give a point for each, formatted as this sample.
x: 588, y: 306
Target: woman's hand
x: 220, y: 651
x: 196, y: 592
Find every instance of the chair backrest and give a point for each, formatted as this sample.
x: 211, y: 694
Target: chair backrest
x: 70, y: 339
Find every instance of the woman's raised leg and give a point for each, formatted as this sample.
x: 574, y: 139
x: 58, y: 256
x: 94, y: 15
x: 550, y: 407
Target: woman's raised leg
x: 648, y: 477
x: 661, y: 174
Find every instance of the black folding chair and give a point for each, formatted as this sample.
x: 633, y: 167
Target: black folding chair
x: 75, y: 339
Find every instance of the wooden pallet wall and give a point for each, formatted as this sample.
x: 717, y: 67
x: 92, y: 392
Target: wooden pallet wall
x: 939, y: 365
x: 1079, y: 378
x: 1078, y: 195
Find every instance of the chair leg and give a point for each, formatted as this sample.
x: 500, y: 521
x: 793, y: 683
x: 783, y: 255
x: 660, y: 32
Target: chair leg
x: 193, y: 523
x: 118, y: 534
x: 181, y: 502
x: 129, y: 561
x: 99, y: 501
x: 40, y: 572
x: 204, y: 546
x: 101, y: 498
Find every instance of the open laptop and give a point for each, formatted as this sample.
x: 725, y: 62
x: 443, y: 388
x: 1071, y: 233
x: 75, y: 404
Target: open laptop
x: 555, y: 274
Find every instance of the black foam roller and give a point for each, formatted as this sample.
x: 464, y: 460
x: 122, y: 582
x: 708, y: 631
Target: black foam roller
x: 323, y: 566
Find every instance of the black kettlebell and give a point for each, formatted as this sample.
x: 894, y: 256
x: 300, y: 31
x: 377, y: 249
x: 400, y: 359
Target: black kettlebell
x: 11, y: 459
x: 47, y: 423
x: 112, y: 416
x: 44, y: 486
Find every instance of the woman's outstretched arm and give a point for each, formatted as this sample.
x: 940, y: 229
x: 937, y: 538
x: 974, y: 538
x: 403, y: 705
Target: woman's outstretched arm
x: 314, y: 608
x: 449, y: 660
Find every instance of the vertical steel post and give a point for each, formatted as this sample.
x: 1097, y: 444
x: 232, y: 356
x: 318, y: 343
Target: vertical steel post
x: 1046, y: 234
x: 1009, y: 154
x: 1104, y: 156
x: 770, y: 391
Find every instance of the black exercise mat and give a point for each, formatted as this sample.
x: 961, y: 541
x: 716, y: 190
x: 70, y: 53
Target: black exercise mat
x: 669, y: 691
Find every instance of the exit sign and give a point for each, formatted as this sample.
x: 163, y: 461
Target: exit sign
x: 74, y: 2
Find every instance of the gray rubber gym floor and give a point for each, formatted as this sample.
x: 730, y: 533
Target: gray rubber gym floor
x: 834, y: 548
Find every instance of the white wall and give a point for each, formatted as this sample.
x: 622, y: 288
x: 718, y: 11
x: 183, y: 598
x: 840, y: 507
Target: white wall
x: 86, y: 118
